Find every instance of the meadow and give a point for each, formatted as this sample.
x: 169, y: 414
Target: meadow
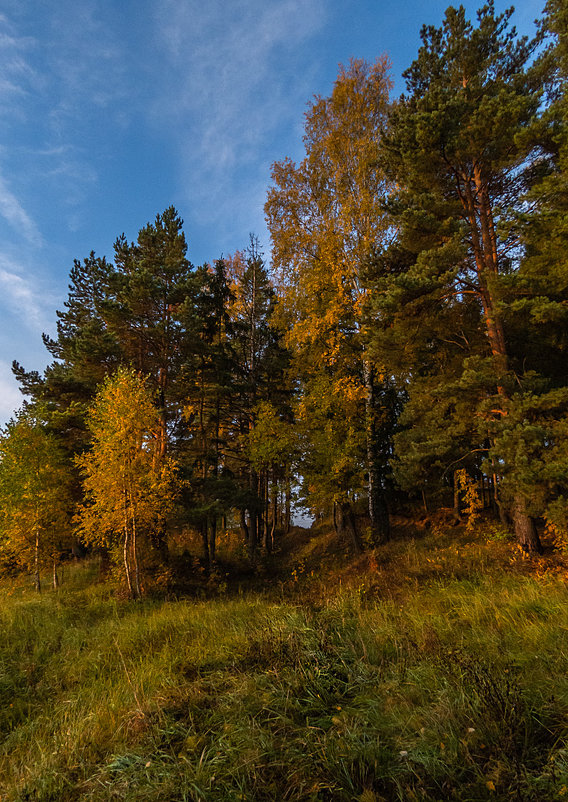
x: 434, y: 668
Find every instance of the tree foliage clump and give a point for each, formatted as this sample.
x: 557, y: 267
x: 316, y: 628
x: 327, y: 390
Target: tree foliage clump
x: 129, y: 486
x: 411, y: 332
x: 35, y: 496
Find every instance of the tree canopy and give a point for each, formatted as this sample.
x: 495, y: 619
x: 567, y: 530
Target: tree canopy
x: 405, y: 344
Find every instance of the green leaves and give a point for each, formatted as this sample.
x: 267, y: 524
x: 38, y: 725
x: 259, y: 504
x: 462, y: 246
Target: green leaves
x: 35, y: 493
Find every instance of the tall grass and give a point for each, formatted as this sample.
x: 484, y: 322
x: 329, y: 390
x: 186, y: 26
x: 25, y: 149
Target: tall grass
x: 457, y: 690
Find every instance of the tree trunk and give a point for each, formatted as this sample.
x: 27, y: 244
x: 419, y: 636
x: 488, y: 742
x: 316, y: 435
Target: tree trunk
x: 244, y: 526
x: 378, y: 512
x: 126, y: 561
x: 55, y: 577
x: 261, y: 519
x: 348, y: 519
x: 337, y: 523
x: 253, y: 517
x: 525, y: 528
x: 135, y: 558
x: 477, y: 204
x: 205, y: 541
x: 288, y: 502
x: 213, y: 538
x: 274, y: 509
x: 457, y: 499
x: 37, y: 581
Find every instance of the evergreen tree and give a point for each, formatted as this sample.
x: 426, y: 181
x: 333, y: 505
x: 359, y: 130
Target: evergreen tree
x: 150, y: 285
x: 84, y: 351
x: 457, y: 150
x: 260, y: 368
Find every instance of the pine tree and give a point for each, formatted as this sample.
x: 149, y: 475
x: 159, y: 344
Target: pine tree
x: 151, y: 283
x: 84, y: 352
x: 260, y: 367
x: 457, y: 150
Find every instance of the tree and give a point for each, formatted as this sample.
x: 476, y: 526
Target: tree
x: 35, y: 495
x: 260, y: 365
x: 457, y: 149
x: 533, y: 436
x: 84, y: 352
x: 129, y: 486
x: 326, y: 219
x: 150, y: 287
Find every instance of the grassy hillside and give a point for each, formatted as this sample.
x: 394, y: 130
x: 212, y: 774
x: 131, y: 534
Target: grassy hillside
x: 433, y: 669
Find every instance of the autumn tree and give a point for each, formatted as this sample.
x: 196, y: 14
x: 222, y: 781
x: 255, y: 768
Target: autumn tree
x: 129, y: 487
x: 326, y: 219
x: 35, y: 496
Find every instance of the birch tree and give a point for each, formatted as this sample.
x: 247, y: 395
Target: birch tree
x: 129, y: 486
x: 326, y: 219
x: 35, y: 496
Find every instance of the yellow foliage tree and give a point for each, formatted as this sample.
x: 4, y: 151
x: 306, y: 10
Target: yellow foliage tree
x: 326, y: 219
x: 35, y: 496
x: 129, y: 486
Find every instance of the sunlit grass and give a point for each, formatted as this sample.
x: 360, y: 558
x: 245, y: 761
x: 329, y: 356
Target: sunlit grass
x: 456, y: 688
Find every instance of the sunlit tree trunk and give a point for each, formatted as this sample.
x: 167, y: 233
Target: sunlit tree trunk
x: 478, y: 208
x: 37, y: 582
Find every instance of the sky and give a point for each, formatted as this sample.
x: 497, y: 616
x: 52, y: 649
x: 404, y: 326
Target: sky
x: 113, y: 110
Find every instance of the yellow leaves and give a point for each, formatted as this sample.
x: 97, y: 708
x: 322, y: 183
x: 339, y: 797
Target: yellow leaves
x: 124, y: 475
x: 350, y: 389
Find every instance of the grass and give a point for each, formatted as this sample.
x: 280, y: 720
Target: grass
x: 411, y: 680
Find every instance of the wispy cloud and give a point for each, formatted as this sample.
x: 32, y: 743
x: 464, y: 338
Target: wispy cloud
x: 230, y: 92
x: 23, y: 297
x: 58, y: 93
x: 10, y: 397
x: 18, y: 76
x: 14, y: 213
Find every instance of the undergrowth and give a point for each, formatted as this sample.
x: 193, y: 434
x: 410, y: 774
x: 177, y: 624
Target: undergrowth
x: 451, y: 688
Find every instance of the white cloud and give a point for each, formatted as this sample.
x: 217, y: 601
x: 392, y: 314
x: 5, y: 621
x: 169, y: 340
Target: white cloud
x: 10, y: 396
x: 227, y: 93
x: 15, y: 214
x: 23, y: 298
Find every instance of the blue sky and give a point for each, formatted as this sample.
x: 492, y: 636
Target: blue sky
x: 112, y: 110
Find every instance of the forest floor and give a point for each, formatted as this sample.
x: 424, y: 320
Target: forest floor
x: 433, y: 668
